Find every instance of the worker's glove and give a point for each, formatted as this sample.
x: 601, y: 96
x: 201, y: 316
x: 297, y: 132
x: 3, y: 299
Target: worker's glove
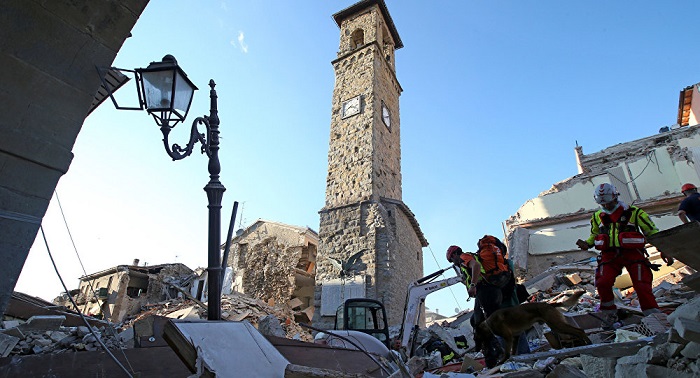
x: 582, y: 244
x: 472, y: 291
x: 667, y: 259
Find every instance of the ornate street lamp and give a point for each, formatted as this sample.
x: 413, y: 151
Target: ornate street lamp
x: 165, y: 92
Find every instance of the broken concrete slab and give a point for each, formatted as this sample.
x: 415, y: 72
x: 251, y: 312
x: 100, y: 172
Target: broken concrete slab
x: 7, y: 324
x: 126, y: 335
x: 566, y: 371
x: 16, y: 332
x: 269, y: 325
x: 541, y: 284
x: 646, y: 355
x: 603, y: 367
x: 692, y: 281
x: 601, y: 350
x: 671, y: 350
x: 689, y: 310
x: 688, y: 329
x: 680, y: 242
x: 43, y: 322
x: 7, y: 343
x: 645, y: 370
x: 204, y: 346
x: 692, y: 350
x: 57, y: 336
x: 185, y: 313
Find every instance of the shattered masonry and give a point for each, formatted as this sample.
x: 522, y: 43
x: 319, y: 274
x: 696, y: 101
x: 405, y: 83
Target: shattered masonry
x: 275, y: 262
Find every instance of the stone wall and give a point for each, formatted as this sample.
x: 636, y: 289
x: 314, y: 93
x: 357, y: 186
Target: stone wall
x: 377, y: 241
x: 399, y: 260
x: 360, y: 145
x: 274, y: 261
x: 269, y: 273
x: 350, y: 150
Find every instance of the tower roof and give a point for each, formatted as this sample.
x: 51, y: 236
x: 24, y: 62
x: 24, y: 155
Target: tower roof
x: 345, y: 13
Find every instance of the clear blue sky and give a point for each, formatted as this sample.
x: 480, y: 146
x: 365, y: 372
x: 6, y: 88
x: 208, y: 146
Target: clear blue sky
x: 496, y: 95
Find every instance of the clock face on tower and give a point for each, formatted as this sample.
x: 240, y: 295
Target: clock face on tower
x: 386, y: 115
x: 351, y: 107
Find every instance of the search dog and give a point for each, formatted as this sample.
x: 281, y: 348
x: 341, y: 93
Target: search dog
x: 509, y: 323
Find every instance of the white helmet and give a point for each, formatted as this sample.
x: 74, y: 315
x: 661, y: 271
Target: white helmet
x: 605, y: 193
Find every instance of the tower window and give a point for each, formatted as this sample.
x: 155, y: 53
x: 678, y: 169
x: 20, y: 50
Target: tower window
x: 357, y: 38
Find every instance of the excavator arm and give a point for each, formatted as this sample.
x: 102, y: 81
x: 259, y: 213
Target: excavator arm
x: 415, y: 299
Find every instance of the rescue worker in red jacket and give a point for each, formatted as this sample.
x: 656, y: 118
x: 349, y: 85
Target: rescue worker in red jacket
x: 618, y: 231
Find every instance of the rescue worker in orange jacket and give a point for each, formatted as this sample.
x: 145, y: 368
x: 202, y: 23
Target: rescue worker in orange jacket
x: 492, y: 287
x: 618, y: 230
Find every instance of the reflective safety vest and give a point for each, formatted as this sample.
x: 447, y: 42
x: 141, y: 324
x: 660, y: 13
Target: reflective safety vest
x: 628, y: 231
x: 466, y: 271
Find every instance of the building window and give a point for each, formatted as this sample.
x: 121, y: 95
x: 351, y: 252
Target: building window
x: 135, y: 292
x: 357, y: 39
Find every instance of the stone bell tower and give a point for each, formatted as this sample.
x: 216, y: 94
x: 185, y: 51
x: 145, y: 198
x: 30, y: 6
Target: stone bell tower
x: 370, y: 242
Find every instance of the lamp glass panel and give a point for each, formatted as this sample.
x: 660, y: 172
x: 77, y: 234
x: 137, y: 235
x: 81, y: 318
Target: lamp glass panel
x: 183, y: 94
x: 158, y: 89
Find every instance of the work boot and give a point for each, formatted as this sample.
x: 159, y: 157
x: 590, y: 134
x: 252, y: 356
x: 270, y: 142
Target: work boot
x: 610, y: 321
x: 650, y: 311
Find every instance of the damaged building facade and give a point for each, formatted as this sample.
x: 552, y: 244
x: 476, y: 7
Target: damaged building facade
x: 120, y: 291
x: 276, y: 263
x: 370, y: 242
x: 647, y: 172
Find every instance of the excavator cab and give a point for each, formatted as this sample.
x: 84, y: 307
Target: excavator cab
x: 364, y: 315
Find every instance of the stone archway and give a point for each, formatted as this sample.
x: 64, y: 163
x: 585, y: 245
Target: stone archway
x: 48, y: 80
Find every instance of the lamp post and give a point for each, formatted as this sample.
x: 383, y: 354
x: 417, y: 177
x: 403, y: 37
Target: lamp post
x: 166, y: 92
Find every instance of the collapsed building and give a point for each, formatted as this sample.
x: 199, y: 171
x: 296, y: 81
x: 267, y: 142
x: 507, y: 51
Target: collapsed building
x: 647, y: 172
x: 118, y: 292
x: 275, y: 262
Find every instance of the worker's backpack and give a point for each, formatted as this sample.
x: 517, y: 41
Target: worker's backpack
x: 492, y: 256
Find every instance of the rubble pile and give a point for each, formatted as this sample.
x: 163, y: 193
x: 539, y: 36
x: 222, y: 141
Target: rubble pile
x: 45, y: 334
x: 234, y: 307
x: 66, y: 339
x: 239, y: 307
x: 661, y: 344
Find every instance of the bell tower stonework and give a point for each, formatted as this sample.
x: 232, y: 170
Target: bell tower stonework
x: 370, y: 242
